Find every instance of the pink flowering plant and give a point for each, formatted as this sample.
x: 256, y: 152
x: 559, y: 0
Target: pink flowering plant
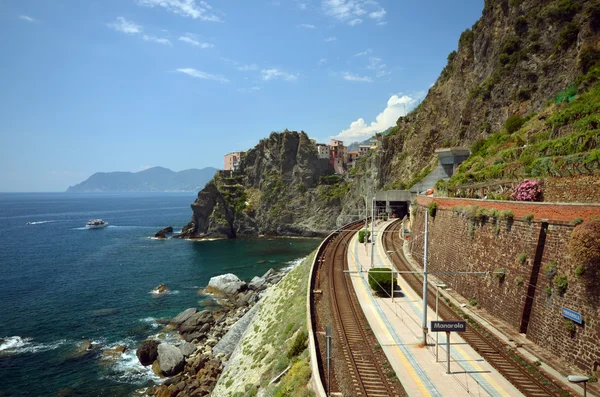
x: 527, y: 191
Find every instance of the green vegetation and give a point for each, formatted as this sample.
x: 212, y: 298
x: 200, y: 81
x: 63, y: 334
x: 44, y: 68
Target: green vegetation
x: 561, y: 283
x: 299, y: 345
x: 500, y: 273
x: 562, y: 140
x: 577, y: 221
x: 473, y: 301
x: 294, y: 382
x: 432, y: 208
x: 519, y: 281
x: 567, y: 36
x: 380, y: 281
x: 414, y: 179
x: 550, y: 270
x: 522, y: 258
x: 362, y: 234
x: 569, y: 325
x: 580, y: 270
x: 584, y: 251
x: 528, y: 218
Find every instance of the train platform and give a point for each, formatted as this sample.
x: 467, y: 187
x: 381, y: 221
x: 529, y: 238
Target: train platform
x: 398, y: 327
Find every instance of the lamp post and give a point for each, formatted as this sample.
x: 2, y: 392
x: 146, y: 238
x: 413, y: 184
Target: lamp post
x: 437, y: 317
x: 579, y: 379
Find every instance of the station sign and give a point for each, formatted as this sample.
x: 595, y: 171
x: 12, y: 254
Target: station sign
x: 572, y: 315
x: 448, y: 326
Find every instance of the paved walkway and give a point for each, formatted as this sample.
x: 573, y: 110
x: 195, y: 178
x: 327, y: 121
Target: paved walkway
x: 397, y: 326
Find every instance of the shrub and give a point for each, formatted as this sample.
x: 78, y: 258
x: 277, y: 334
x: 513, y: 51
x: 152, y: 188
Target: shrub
x: 561, y: 283
x: 506, y: 215
x: 528, y: 218
x: 466, y: 38
x: 577, y: 221
x: 522, y: 258
x: 519, y: 281
x: 548, y: 291
x: 584, y: 250
x: 569, y: 326
x: 514, y: 123
x: 567, y: 36
x: 580, y: 270
x: 300, y: 344
x: 473, y: 301
x: 500, y: 273
x: 362, y: 234
x: 380, y: 280
x: 432, y: 209
x: 550, y: 269
x: 563, y: 10
x: 528, y: 190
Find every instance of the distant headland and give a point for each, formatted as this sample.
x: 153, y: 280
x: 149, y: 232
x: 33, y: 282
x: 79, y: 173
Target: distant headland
x: 155, y: 179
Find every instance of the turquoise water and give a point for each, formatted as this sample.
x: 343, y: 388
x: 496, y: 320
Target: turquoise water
x: 61, y: 284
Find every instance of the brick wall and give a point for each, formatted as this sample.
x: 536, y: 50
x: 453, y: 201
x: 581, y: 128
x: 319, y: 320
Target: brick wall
x: 581, y: 189
x: 458, y: 244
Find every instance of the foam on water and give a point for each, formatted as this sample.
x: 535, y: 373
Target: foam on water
x: 128, y: 369
x: 18, y: 345
x: 292, y: 264
x: 40, y: 222
x: 151, y: 321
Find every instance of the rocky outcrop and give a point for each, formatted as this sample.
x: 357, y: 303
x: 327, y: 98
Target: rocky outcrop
x: 147, y: 352
x: 183, y: 316
x: 278, y: 191
x: 163, y: 232
x: 170, y: 359
x: 225, y: 285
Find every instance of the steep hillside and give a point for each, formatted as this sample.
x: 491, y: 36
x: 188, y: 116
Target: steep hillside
x: 520, y: 54
x: 155, y: 179
x: 282, y: 188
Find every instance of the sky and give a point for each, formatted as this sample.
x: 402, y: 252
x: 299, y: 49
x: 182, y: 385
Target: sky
x: 121, y: 85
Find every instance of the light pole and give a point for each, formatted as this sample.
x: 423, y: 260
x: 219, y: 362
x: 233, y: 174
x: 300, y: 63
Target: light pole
x: 437, y: 317
x: 425, y: 281
x: 372, y: 237
x: 579, y: 379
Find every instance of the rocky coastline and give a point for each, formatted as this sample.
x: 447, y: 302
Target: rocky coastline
x: 192, y: 366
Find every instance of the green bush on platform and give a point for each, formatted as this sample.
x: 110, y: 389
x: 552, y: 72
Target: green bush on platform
x: 362, y: 234
x: 380, y: 281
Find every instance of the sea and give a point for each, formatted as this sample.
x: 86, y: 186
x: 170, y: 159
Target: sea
x: 62, y: 284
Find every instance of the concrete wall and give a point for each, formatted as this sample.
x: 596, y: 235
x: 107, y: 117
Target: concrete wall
x: 459, y: 244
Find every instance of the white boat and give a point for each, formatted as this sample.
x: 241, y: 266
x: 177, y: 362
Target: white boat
x: 96, y: 224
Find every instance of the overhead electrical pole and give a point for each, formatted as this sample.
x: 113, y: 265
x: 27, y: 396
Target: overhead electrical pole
x: 425, y: 281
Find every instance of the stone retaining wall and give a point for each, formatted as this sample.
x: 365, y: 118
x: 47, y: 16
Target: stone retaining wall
x: 460, y: 244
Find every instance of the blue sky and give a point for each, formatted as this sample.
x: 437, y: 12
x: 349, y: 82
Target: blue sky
x: 120, y: 85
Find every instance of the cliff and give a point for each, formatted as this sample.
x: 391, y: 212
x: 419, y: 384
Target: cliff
x: 282, y: 188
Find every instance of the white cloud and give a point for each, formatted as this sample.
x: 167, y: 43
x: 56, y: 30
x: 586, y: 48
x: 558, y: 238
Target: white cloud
x: 349, y: 11
x: 378, y: 14
x: 353, y: 77
x: 246, y: 68
x: 307, y: 26
x: 193, y: 40
x: 159, y: 40
x: 363, y: 53
x: 26, y: 18
x: 322, y: 61
x: 202, y: 75
x: 397, y: 106
x: 330, y: 39
x: 125, y: 26
x: 382, y: 23
x: 189, y: 8
x: 274, y: 74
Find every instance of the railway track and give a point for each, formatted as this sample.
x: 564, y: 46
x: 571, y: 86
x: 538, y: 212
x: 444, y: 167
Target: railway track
x: 511, y: 366
x: 361, y: 369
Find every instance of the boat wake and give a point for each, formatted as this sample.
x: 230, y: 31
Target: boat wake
x: 39, y: 222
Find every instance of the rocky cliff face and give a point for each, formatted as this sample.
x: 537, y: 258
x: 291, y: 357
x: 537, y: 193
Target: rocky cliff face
x: 282, y: 188
x: 519, y: 55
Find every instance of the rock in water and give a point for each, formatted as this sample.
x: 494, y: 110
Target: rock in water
x: 163, y: 233
x: 226, y: 284
x: 183, y: 316
x: 161, y: 289
x: 147, y: 351
x: 170, y: 359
